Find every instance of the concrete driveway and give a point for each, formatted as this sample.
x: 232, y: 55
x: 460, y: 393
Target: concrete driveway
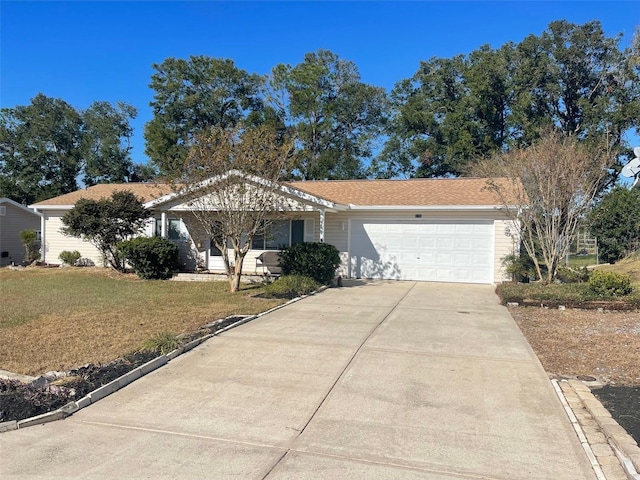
x: 382, y: 380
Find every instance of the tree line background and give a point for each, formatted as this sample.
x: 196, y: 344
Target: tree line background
x: 451, y: 115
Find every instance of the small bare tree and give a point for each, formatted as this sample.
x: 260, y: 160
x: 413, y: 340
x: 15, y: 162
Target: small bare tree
x: 550, y: 186
x: 231, y: 183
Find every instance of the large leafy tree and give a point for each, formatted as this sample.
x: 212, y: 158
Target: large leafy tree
x: 41, y: 149
x: 46, y: 147
x: 337, y: 118
x: 107, y: 222
x: 577, y: 79
x: 615, y: 222
x: 453, y: 112
x: 191, y: 96
x: 106, y: 143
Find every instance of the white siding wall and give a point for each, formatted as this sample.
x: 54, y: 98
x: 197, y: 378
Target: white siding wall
x: 12, y: 223
x: 56, y: 242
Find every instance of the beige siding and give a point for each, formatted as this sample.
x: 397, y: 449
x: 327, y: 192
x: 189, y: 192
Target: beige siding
x: 55, y: 242
x: 14, y: 221
x: 506, y: 243
x: 337, y: 234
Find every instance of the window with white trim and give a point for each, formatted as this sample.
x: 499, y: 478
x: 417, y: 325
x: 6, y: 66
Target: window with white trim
x: 281, y: 233
x: 176, y: 229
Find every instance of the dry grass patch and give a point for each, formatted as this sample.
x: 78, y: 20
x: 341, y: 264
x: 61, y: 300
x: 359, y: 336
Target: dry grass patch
x: 602, y: 344
x: 627, y: 266
x: 56, y: 319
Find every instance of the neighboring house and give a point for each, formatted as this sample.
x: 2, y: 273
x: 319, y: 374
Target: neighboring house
x: 446, y: 230
x: 14, y: 218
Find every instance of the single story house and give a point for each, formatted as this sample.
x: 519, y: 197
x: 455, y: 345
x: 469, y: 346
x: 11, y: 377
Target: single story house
x: 15, y: 218
x: 445, y: 230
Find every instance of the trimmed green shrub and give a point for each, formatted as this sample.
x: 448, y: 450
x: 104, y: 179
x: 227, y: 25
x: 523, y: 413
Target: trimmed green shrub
x: 70, y: 258
x: 162, y: 343
x: 151, y: 257
x: 520, y: 267
x: 316, y: 260
x: 290, y: 286
x: 610, y: 284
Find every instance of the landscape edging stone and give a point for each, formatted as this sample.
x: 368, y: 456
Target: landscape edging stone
x: 625, y: 447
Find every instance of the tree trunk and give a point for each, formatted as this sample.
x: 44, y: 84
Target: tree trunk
x: 236, y: 275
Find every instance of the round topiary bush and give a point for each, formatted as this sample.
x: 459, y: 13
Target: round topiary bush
x: 151, y: 257
x: 316, y: 260
x: 610, y: 284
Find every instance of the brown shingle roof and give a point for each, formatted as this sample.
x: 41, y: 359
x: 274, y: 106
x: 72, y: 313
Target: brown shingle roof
x: 420, y: 191
x: 144, y: 191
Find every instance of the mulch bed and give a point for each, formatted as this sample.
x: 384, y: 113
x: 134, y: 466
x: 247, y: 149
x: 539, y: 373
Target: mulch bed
x: 623, y: 404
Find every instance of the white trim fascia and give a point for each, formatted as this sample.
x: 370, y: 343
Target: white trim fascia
x: 28, y: 209
x: 182, y: 208
x: 285, y: 189
x: 52, y: 207
x: 426, y: 207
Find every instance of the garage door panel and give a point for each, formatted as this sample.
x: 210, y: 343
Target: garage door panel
x: 423, y: 250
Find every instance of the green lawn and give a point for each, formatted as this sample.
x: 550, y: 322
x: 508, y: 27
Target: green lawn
x: 55, y: 319
x: 579, y: 261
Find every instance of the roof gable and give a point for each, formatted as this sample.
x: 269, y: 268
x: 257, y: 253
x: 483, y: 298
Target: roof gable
x: 8, y: 201
x: 283, y: 189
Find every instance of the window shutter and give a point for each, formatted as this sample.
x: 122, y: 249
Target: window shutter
x: 309, y: 230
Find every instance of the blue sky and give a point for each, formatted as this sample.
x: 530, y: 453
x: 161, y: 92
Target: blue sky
x: 86, y: 51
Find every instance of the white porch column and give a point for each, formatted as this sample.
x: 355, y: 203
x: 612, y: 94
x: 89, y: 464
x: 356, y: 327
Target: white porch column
x: 163, y: 224
x: 322, y: 225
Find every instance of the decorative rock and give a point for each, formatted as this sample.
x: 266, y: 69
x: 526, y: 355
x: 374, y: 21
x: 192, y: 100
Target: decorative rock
x: 561, y: 307
x: 513, y: 304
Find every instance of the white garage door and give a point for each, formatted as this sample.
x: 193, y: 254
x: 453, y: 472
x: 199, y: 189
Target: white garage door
x: 438, y: 251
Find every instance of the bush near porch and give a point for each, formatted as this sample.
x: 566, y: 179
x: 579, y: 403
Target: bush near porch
x: 56, y: 319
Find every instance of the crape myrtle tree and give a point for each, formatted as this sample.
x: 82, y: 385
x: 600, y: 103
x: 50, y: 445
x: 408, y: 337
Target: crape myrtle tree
x: 230, y: 180
x: 550, y: 186
x: 456, y: 111
x: 48, y: 145
x: 107, y: 222
x: 615, y: 222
